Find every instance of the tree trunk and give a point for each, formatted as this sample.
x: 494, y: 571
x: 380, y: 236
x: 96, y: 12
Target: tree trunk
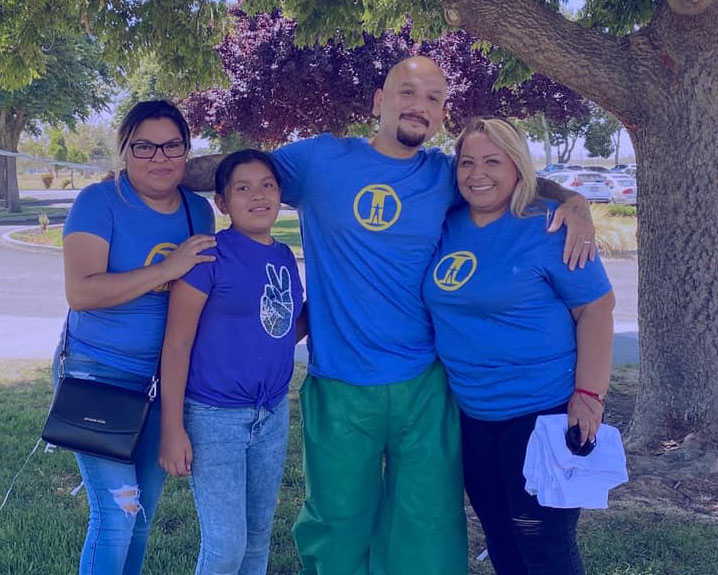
x: 677, y: 161
x: 617, y: 143
x: 3, y: 180
x: 13, y: 191
x: 546, y: 139
x: 564, y: 153
x: 662, y: 83
x: 12, y: 122
x: 561, y: 150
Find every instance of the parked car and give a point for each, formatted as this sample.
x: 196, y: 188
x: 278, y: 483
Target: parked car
x: 624, y: 168
x: 623, y: 188
x: 592, y: 185
x: 575, y: 167
x: 551, y: 168
x: 601, y: 169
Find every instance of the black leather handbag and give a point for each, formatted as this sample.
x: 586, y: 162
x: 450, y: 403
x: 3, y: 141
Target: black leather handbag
x: 99, y: 418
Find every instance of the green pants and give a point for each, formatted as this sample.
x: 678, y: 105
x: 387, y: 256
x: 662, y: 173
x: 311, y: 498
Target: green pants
x: 384, y: 490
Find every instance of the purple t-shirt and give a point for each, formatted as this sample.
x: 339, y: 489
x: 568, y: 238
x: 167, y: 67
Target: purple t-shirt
x: 243, y: 353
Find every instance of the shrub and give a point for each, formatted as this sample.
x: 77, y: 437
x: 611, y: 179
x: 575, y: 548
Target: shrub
x: 624, y: 211
x: 614, y: 234
x: 43, y: 220
x: 47, y: 179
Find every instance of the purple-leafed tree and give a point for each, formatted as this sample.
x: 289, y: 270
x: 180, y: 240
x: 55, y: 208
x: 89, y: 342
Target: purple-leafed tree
x: 278, y: 90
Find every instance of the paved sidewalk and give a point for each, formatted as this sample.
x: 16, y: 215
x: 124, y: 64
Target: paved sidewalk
x: 33, y: 306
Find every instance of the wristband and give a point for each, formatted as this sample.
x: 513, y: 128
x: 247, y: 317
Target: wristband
x: 593, y: 394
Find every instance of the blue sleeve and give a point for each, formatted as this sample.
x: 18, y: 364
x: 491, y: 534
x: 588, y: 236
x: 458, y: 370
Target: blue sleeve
x: 292, y: 162
x: 459, y: 201
x: 295, y: 269
x: 202, y: 213
x: 91, y: 213
x: 578, y: 287
x: 202, y: 275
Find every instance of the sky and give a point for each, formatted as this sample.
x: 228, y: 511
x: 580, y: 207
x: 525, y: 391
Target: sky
x: 575, y: 4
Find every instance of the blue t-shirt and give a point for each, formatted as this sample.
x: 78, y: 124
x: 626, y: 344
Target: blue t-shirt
x: 129, y: 336
x: 370, y: 224
x: 243, y: 352
x: 500, y: 299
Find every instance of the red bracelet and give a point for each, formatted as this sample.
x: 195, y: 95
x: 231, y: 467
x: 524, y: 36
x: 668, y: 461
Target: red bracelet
x: 592, y: 394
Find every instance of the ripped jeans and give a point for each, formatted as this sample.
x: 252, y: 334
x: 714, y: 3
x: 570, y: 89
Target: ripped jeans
x: 522, y: 537
x: 122, y: 497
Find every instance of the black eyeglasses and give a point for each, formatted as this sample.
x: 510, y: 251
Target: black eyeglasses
x: 147, y: 150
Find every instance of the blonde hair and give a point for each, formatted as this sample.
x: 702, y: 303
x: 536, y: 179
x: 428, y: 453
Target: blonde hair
x: 513, y: 142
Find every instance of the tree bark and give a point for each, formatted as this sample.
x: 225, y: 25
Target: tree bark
x: 13, y: 191
x: 565, y: 149
x: 3, y: 180
x: 563, y: 155
x: 12, y: 123
x: 662, y: 83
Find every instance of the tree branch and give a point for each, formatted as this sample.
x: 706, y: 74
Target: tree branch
x: 594, y: 64
x: 690, y: 7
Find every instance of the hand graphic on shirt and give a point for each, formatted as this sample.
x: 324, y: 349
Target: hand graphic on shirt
x: 277, y: 305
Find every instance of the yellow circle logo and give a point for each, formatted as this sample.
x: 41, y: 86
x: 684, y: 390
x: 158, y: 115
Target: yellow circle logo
x: 160, y: 250
x: 377, y: 207
x: 454, y: 270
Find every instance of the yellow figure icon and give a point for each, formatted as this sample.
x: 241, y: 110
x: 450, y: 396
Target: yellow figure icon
x: 160, y: 250
x: 383, y: 198
x: 455, y: 275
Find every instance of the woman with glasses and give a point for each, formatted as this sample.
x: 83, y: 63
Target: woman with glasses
x: 520, y: 336
x: 124, y: 242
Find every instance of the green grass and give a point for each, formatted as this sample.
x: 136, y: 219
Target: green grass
x: 52, y: 237
x: 42, y: 526
x: 285, y: 230
x: 34, y: 181
x: 30, y: 210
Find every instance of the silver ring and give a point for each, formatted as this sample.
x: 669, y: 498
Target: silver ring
x: 586, y: 242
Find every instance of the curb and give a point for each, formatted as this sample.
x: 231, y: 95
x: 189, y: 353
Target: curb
x: 5, y: 238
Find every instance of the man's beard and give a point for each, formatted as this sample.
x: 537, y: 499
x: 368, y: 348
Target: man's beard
x: 409, y: 140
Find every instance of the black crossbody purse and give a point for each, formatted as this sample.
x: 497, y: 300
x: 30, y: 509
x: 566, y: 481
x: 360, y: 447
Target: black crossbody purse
x: 98, y: 418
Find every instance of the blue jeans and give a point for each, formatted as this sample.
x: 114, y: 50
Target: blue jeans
x: 236, y: 475
x: 522, y: 537
x: 122, y: 497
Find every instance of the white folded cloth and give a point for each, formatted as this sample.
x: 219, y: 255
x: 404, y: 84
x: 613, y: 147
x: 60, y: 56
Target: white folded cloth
x: 561, y: 479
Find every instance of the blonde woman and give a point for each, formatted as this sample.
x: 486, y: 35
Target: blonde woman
x: 520, y: 336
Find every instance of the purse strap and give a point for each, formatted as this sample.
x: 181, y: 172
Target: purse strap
x: 187, y: 213
x: 152, y: 388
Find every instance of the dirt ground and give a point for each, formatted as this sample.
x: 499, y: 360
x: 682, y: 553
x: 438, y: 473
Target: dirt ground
x: 680, y: 477
x: 677, y: 478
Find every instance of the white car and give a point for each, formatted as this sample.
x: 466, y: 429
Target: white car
x: 592, y: 185
x: 623, y: 188
x: 629, y: 169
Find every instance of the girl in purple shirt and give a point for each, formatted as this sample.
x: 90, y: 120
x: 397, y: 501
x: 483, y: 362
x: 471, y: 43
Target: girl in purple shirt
x: 226, y: 365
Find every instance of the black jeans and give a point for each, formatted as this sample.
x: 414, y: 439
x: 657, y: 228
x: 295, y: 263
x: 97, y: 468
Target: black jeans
x: 522, y: 537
